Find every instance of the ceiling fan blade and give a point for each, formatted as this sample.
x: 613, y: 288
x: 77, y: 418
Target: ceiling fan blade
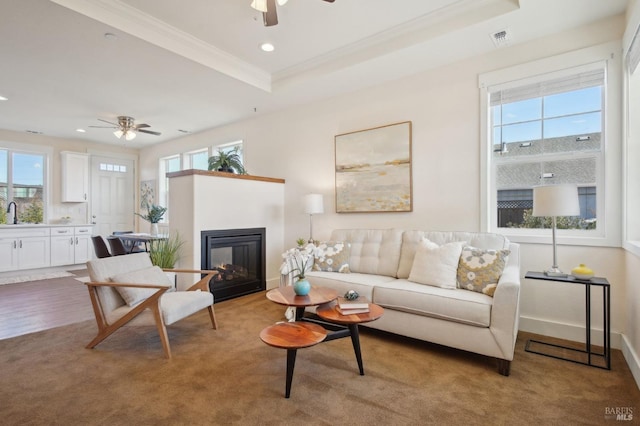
x: 329, y: 1
x: 270, y: 17
x: 149, y: 132
x: 104, y: 127
x: 140, y: 126
x: 113, y: 124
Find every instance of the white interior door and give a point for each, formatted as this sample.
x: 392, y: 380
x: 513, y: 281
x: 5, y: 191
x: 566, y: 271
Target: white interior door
x: 112, y: 195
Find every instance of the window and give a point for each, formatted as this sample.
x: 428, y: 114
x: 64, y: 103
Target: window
x: 554, y: 120
x: 197, y: 160
x: 544, y: 132
x: 167, y: 165
x: 22, y: 180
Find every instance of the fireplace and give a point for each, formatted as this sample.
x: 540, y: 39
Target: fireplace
x: 239, y: 257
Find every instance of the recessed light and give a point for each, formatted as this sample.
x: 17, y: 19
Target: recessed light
x: 2, y: 98
x: 267, y: 47
x: 81, y: 130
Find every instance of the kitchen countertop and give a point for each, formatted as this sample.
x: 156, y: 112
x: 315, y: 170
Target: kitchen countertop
x: 42, y: 225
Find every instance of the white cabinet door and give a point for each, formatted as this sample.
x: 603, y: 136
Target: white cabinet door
x: 33, y: 252
x: 75, y: 177
x: 8, y: 254
x: 83, y: 247
x: 62, y: 246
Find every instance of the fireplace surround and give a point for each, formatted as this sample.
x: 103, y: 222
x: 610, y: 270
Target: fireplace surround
x: 239, y: 257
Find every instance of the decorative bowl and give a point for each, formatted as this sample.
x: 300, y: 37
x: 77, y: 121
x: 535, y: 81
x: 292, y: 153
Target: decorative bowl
x: 582, y: 272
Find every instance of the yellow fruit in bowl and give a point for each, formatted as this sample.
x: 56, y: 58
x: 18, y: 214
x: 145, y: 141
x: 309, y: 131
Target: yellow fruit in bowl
x: 582, y: 272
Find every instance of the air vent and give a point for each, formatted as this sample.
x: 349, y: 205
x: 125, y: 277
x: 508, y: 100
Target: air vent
x: 501, y: 38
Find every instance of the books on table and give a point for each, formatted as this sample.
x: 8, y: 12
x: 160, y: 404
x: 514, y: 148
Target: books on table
x: 350, y: 307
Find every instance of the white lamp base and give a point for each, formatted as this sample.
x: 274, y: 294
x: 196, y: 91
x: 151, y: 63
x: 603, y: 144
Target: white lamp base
x: 555, y: 272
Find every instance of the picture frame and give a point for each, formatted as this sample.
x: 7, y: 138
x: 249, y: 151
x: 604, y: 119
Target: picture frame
x: 147, y: 193
x: 374, y: 170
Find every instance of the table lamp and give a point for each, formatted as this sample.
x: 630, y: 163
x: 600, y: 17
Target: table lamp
x: 553, y: 201
x: 312, y: 205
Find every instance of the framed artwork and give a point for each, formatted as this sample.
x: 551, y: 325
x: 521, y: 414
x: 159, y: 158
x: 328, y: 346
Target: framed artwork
x: 147, y: 193
x: 373, y: 170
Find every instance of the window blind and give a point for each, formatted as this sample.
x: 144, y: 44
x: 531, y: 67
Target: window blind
x: 568, y: 83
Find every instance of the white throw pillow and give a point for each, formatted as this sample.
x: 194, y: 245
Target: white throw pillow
x: 436, y: 265
x: 134, y: 295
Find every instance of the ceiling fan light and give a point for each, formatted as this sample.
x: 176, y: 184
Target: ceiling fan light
x: 118, y: 133
x: 282, y: 2
x: 260, y: 5
x: 129, y: 135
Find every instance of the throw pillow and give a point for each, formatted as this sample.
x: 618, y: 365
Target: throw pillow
x: 480, y: 269
x: 332, y: 256
x: 436, y: 265
x: 134, y: 295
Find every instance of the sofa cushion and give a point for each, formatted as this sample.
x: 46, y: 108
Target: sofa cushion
x: 480, y: 269
x: 134, y: 295
x: 362, y: 283
x: 436, y: 265
x: 373, y: 251
x: 332, y: 256
x: 412, y: 239
x: 457, y: 305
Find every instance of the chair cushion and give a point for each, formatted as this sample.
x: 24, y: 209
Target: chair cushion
x: 134, y: 295
x: 332, y: 256
x: 436, y: 265
x: 373, y: 251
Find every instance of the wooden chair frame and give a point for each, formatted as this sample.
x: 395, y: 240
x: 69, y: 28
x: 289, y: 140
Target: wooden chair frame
x: 152, y: 302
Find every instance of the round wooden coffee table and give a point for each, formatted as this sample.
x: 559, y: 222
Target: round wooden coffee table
x: 292, y: 336
x: 329, y: 312
x: 286, y: 296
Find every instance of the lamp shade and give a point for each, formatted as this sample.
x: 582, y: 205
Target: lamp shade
x: 556, y: 200
x: 313, y: 204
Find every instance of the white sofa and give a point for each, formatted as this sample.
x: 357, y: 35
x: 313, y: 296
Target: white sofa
x: 380, y: 262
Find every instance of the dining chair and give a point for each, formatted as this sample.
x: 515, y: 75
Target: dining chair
x: 100, y: 247
x: 117, y: 246
x: 130, y: 246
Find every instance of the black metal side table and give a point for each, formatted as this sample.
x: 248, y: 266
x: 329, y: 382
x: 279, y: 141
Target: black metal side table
x: 591, y: 355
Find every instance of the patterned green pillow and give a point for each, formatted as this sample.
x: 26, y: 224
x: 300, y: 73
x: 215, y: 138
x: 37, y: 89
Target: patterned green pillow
x: 480, y: 269
x: 332, y: 256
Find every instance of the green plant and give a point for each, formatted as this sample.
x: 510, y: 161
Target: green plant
x: 301, y: 242
x: 165, y: 253
x: 229, y: 161
x: 154, y: 213
x: 32, y: 213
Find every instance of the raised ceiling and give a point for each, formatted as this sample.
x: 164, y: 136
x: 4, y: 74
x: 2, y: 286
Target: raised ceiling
x: 192, y: 65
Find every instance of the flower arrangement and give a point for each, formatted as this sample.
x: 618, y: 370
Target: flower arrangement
x: 299, y: 259
x: 154, y: 213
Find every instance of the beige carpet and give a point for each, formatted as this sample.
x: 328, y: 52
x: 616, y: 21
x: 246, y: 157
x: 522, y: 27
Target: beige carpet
x: 228, y: 376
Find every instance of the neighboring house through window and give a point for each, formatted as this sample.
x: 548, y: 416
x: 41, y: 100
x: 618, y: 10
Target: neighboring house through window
x: 23, y: 180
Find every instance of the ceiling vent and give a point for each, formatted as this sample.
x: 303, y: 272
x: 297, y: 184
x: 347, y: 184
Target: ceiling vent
x: 501, y: 38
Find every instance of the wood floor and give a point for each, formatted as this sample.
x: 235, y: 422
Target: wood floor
x: 40, y: 305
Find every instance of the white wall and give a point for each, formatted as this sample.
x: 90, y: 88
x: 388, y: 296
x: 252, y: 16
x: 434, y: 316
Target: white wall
x: 444, y: 107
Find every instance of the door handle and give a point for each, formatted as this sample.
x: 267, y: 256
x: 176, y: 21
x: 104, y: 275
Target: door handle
x: 76, y: 240
x: 71, y: 240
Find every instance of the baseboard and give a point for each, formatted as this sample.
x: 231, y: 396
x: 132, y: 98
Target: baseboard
x: 633, y: 361
x: 273, y: 283
x: 571, y: 332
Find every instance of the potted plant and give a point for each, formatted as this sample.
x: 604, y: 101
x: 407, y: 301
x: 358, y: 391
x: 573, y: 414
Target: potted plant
x: 229, y: 162
x: 153, y: 216
x: 166, y: 252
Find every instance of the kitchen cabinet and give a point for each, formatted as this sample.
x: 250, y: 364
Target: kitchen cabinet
x: 70, y: 245
x: 75, y: 177
x: 24, y: 248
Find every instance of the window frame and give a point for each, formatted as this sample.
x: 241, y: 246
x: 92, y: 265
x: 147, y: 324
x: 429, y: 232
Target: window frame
x: 46, y: 152
x: 608, y: 181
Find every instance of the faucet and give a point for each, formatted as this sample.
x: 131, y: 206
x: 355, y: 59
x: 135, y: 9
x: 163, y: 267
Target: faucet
x: 15, y: 212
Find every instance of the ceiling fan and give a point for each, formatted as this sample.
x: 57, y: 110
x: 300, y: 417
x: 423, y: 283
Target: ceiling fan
x: 126, y: 127
x: 268, y: 9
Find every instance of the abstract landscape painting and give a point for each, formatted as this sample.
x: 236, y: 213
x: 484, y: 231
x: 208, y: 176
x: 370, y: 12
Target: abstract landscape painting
x: 373, y: 170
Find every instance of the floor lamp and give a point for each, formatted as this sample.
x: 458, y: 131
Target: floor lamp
x: 553, y: 201
x: 312, y: 205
